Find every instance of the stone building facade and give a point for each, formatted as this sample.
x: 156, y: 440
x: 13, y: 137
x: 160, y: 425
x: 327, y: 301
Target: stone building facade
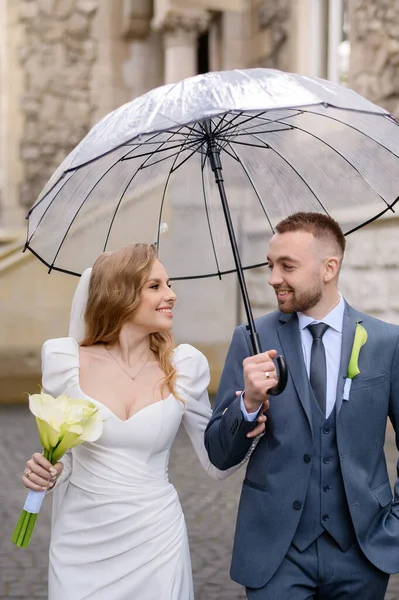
x: 66, y: 63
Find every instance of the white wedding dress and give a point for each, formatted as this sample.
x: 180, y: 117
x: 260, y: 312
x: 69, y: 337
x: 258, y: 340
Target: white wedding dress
x: 118, y: 528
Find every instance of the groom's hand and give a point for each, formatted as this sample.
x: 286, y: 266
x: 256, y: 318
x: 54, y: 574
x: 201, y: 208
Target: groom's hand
x: 259, y: 377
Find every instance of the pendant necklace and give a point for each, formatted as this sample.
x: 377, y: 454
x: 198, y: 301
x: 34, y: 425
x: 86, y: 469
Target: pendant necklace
x: 123, y: 369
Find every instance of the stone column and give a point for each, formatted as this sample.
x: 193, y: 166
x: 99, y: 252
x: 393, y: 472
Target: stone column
x: 180, y: 30
x: 374, y: 61
x: 236, y: 39
x: 144, y: 68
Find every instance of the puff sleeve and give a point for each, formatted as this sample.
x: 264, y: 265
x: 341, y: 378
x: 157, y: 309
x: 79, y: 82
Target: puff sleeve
x: 60, y: 373
x: 192, y: 383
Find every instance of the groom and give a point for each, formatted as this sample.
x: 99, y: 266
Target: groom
x: 316, y: 518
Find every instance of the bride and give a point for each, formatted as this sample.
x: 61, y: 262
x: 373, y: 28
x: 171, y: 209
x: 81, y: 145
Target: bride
x: 118, y: 529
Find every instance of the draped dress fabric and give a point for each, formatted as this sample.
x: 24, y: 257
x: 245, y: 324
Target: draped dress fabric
x: 118, y: 529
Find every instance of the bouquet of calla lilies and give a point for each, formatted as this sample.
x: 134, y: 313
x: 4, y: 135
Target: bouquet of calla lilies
x: 63, y: 423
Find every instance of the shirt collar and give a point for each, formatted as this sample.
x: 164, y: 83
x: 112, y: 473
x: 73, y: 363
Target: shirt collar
x: 334, y: 318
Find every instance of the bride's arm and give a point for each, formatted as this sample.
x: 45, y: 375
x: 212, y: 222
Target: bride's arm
x: 196, y: 417
x: 194, y: 379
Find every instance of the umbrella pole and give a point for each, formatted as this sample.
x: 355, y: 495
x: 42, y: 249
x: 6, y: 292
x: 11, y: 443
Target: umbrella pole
x: 216, y: 166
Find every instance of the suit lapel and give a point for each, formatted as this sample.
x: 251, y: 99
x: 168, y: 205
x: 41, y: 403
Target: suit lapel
x: 290, y: 340
x: 351, y: 317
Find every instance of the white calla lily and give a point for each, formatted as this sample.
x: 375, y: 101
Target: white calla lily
x: 63, y: 423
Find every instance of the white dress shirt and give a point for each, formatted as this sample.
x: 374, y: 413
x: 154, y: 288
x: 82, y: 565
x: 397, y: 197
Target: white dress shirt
x: 332, y: 340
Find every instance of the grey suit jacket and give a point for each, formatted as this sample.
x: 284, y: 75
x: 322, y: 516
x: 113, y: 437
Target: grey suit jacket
x: 278, y: 471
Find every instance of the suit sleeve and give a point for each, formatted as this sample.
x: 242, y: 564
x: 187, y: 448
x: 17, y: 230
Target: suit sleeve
x: 225, y: 436
x: 394, y: 418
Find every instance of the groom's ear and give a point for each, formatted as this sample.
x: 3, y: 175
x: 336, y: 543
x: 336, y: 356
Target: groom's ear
x: 331, y: 268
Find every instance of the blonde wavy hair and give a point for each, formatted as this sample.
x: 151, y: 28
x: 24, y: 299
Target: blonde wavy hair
x: 116, y: 282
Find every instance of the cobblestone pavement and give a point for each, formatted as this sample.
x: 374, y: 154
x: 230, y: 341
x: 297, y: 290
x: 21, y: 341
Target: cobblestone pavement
x: 210, y: 509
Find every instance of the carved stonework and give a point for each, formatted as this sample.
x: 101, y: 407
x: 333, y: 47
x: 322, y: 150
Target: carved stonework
x: 374, y: 61
x: 136, y: 18
x: 57, y: 59
x: 193, y: 21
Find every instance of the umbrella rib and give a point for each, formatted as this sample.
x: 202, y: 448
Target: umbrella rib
x: 51, y: 267
x: 189, y: 277
x: 173, y: 169
x: 390, y: 207
x: 312, y: 112
x: 73, y: 171
x: 222, y: 119
x: 181, y: 147
x: 164, y: 192
x: 50, y: 203
x: 81, y: 206
x: 235, y: 141
x: 203, y: 162
x: 295, y: 171
x: 150, y: 140
x: 93, y: 160
x: 33, y: 208
x: 140, y: 168
x: 249, y: 117
x: 86, y: 197
x: 155, y: 151
x: 231, y: 154
x: 219, y: 274
x: 264, y: 132
x: 343, y: 157
x: 251, y: 181
x: 163, y: 198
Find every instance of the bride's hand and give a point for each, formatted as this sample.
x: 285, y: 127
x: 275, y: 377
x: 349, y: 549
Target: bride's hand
x: 40, y: 474
x: 261, y: 427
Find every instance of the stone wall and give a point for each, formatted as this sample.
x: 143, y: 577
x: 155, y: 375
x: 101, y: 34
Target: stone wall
x: 371, y: 275
x: 57, y: 103
x: 369, y: 278
x: 374, y: 61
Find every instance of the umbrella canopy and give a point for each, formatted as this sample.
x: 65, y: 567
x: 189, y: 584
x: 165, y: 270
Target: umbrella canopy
x: 285, y: 143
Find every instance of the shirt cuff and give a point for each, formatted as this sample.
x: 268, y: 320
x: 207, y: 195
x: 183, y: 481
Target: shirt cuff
x: 248, y: 416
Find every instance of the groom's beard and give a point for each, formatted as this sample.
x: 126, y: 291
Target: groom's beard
x: 300, y: 301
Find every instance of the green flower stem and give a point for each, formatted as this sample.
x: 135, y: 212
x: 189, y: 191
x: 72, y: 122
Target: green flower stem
x: 26, y: 522
x: 30, y: 524
x: 18, y: 528
x: 22, y: 533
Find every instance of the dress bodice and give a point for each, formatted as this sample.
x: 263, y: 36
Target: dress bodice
x: 135, y: 451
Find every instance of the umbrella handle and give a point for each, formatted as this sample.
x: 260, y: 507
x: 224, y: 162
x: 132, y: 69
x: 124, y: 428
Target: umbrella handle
x: 282, y: 376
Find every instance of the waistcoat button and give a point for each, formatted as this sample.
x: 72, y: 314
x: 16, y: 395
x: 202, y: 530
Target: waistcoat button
x: 326, y: 460
x: 307, y: 458
x: 297, y: 505
x: 325, y: 517
x: 326, y: 430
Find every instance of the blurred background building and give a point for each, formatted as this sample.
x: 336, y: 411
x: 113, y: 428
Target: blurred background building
x: 64, y: 64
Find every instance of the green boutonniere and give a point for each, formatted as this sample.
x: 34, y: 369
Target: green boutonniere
x: 353, y: 366
x: 358, y: 342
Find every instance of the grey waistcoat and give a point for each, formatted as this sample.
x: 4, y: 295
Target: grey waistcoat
x: 326, y: 507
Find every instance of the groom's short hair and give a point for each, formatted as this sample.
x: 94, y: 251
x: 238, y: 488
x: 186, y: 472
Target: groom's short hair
x: 320, y: 225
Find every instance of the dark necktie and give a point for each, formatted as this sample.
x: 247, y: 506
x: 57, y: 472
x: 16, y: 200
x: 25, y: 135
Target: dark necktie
x: 318, y: 365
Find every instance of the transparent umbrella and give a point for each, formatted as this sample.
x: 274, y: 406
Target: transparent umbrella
x: 208, y: 166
